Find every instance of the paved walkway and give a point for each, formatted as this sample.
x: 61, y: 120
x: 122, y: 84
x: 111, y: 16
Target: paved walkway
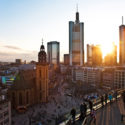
x: 110, y: 114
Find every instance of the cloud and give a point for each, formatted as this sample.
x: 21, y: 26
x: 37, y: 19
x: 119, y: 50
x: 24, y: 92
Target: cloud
x: 11, y: 56
x: 12, y: 47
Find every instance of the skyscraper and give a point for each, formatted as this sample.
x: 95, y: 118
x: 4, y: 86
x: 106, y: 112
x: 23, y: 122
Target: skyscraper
x: 42, y: 76
x: 89, y: 54
x: 111, y: 58
x: 53, y: 52
x: 96, y: 55
x: 76, y: 42
x: 66, y: 59
x: 122, y: 44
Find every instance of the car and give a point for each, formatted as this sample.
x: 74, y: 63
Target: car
x: 21, y: 109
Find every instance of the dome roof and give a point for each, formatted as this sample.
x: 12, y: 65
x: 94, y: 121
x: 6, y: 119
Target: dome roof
x: 42, y: 47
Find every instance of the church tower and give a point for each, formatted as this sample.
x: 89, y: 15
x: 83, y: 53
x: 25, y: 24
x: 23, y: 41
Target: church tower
x: 42, y: 76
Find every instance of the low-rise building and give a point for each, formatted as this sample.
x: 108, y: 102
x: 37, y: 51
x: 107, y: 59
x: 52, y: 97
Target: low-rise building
x: 5, y: 108
x: 108, y: 78
x: 119, y: 78
x: 88, y: 75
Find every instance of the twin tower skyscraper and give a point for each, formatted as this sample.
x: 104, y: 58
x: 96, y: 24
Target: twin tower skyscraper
x: 76, y: 42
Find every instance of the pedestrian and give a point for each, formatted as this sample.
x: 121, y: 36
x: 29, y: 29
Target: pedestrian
x: 90, y: 105
x: 82, y: 111
x: 123, y: 98
x: 73, y: 113
x: 102, y: 100
x: 106, y: 97
x: 110, y: 98
x: 93, y: 117
x: 115, y: 95
x: 85, y: 108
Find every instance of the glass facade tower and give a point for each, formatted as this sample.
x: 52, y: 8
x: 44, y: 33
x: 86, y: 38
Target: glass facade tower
x: 122, y: 44
x: 76, y: 42
x: 53, y: 52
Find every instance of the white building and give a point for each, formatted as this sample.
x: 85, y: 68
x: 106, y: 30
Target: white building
x: 119, y: 78
x: 87, y: 75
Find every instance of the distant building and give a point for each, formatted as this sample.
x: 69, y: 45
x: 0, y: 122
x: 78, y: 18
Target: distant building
x: 18, y: 61
x: 119, y: 78
x: 122, y: 44
x: 5, y: 108
x: 96, y: 55
x: 111, y: 58
x: 53, y: 53
x: 89, y: 75
x: 108, y: 78
x: 76, y: 42
x: 89, y: 54
x: 66, y: 59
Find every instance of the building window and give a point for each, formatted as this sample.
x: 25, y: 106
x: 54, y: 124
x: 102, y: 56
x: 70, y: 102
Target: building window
x: 40, y: 96
x: 20, y: 98
x: 5, y: 113
x: 40, y: 73
x: 40, y: 85
x: 13, y: 98
x: 27, y: 97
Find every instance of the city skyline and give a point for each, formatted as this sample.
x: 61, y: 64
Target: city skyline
x: 24, y: 23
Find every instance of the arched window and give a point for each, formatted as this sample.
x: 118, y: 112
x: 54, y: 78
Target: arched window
x: 40, y: 73
x: 27, y: 97
x: 20, y: 98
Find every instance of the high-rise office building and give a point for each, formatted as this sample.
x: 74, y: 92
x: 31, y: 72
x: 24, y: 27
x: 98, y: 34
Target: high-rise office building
x: 111, y: 58
x: 66, y: 59
x: 76, y: 42
x: 96, y: 55
x: 122, y: 44
x: 89, y: 54
x: 53, y: 52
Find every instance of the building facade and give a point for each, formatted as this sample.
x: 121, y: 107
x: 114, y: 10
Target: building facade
x: 111, y: 58
x: 66, y: 59
x: 5, y: 109
x: 89, y: 54
x: 76, y: 42
x: 119, y: 78
x: 96, y: 55
x: 53, y: 53
x: 122, y: 44
x: 42, y: 76
x: 31, y: 86
x: 89, y: 75
x: 108, y: 78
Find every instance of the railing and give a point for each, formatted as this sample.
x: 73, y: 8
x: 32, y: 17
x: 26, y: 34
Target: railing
x: 96, y: 105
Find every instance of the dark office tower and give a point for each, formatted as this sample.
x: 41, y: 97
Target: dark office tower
x: 53, y: 53
x: 76, y: 42
x: 122, y: 44
x: 89, y: 54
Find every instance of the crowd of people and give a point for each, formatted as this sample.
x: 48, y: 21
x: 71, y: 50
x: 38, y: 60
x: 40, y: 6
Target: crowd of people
x: 88, y: 104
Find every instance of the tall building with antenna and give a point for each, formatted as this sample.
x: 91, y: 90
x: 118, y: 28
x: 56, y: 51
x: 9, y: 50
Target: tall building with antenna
x: 122, y: 44
x: 76, y: 41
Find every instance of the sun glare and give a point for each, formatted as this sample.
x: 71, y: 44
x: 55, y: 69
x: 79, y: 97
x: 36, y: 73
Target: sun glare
x: 106, y: 49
